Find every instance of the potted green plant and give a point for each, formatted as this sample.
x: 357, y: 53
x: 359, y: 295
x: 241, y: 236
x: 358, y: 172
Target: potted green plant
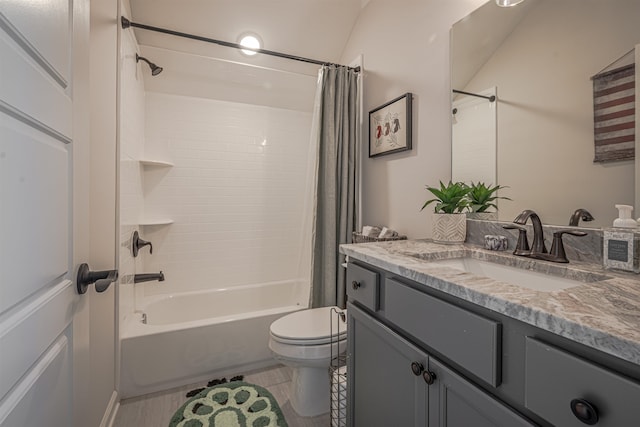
x: 482, y: 198
x: 449, y: 218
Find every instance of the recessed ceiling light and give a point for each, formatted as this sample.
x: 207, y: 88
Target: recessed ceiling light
x: 252, y: 41
x: 508, y: 3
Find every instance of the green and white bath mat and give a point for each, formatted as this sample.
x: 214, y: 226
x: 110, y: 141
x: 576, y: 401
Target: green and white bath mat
x: 234, y: 404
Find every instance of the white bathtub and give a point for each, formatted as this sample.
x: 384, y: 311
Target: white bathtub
x: 197, y: 336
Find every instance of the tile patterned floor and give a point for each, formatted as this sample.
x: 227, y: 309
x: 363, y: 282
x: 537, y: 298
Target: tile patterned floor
x: 156, y: 409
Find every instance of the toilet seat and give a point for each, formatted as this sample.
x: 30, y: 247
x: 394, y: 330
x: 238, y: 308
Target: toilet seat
x: 309, y: 327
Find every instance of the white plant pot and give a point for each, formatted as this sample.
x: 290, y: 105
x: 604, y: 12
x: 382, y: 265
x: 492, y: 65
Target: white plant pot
x: 449, y: 228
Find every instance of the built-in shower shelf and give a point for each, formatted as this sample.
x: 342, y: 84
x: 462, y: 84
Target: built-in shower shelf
x: 161, y: 221
x: 156, y: 163
x: 148, y: 164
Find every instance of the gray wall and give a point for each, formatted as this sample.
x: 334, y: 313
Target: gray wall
x: 405, y: 47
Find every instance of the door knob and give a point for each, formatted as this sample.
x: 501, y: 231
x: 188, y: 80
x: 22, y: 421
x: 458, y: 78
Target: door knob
x: 355, y: 285
x: 86, y: 277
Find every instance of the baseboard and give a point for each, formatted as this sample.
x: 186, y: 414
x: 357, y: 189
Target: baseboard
x: 109, y: 416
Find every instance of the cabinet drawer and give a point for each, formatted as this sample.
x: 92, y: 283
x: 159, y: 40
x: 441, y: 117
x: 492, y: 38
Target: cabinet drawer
x: 362, y: 286
x: 554, y: 378
x: 471, y: 341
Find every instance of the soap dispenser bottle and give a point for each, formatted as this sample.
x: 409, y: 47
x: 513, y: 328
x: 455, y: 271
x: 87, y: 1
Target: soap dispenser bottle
x: 622, y: 242
x: 624, y: 219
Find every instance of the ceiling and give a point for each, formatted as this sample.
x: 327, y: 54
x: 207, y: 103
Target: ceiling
x: 475, y: 38
x: 317, y: 29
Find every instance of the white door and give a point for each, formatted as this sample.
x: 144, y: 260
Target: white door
x: 44, y: 224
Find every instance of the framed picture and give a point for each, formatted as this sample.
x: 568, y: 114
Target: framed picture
x: 390, y: 126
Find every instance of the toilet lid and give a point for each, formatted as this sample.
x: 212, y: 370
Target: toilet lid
x: 309, y: 326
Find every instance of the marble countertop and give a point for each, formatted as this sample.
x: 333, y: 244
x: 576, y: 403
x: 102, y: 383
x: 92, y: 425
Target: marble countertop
x: 603, y: 312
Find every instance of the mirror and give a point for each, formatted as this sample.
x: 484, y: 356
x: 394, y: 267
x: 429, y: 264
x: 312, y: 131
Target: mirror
x: 539, y: 58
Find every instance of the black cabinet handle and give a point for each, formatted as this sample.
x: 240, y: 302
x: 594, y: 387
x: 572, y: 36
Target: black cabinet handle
x: 355, y: 285
x: 417, y: 368
x: 429, y: 377
x: 102, y: 279
x: 584, y: 411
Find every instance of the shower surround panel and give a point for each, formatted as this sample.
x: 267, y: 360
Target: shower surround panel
x: 238, y: 193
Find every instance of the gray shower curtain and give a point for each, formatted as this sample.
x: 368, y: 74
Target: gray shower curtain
x: 336, y: 130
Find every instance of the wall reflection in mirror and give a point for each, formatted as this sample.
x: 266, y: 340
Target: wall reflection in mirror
x: 538, y: 58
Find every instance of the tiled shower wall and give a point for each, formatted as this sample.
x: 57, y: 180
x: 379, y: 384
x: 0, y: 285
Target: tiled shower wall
x: 238, y: 193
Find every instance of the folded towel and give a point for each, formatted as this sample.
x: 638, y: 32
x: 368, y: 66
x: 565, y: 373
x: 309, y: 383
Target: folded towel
x: 370, y: 231
x: 387, y: 232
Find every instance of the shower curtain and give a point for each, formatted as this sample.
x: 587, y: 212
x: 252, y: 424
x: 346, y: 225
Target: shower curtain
x: 335, y: 132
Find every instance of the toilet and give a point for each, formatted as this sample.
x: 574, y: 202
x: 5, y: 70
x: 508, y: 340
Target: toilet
x: 302, y: 340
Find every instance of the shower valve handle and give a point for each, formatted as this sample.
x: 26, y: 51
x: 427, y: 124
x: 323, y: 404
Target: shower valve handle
x: 137, y: 243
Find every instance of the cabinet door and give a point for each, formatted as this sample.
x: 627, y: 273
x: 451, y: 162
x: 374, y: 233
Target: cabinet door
x: 455, y: 402
x: 382, y: 388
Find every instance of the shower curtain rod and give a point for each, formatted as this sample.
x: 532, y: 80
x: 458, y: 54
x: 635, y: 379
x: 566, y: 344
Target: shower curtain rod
x: 490, y: 98
x: 127, y: 23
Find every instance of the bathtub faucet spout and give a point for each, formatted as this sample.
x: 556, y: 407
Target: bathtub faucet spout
x: 147, y: 277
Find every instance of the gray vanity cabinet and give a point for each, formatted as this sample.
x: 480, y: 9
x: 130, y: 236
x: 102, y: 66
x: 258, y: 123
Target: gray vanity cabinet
x: 420, y: 356
x: 386, y: 392
x: 393, y: 383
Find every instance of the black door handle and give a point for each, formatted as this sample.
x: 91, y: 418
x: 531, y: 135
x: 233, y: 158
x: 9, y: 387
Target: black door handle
x: 102, y: 279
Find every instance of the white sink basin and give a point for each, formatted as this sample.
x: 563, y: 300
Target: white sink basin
x: 512, y: 275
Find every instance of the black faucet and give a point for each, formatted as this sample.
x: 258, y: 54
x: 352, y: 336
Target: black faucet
x: 579, y: 214
x: 537, y: 246
x: 538, y: 249
x: 147, y: 277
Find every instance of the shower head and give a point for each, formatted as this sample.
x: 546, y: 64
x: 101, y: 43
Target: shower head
x: 155, y: 70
